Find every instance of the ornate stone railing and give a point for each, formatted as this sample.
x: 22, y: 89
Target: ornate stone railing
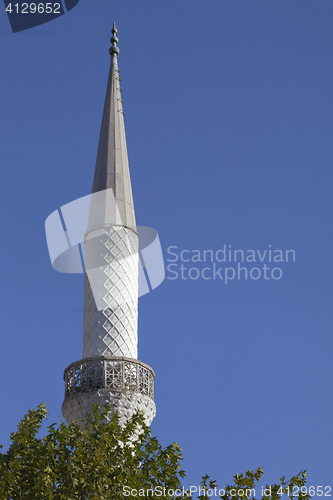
x: 117, y: 374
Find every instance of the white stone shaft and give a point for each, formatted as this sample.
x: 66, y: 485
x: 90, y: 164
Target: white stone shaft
x: 111, y: 329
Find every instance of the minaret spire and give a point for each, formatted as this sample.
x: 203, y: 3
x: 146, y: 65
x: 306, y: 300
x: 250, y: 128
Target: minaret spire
x: 112, y: 169
x: 110, y: 370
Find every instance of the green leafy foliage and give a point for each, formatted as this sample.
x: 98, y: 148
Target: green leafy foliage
x: 105, y: 461
x: 71, y: 463
x: 246, y: 487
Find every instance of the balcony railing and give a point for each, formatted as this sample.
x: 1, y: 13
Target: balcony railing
x: 118, y: 374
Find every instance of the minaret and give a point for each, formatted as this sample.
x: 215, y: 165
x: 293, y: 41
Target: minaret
x: 110, y: 370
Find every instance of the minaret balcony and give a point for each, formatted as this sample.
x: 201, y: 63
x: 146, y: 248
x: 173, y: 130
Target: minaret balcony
x: 118, y: 374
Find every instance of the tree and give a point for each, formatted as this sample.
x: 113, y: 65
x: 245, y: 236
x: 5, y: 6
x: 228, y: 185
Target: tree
x: 106, y: 461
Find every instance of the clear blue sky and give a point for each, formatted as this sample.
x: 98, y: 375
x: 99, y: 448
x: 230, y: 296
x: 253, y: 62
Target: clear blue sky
x: 229, y: 121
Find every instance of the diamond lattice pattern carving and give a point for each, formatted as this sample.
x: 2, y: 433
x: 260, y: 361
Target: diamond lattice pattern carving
x: 111, y: 293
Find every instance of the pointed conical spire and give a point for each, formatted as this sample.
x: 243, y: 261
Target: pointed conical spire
x: 112, y: 169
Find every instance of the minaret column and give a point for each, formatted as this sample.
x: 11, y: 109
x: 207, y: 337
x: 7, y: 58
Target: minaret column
x: 110, y: 325
x: 110, y: 370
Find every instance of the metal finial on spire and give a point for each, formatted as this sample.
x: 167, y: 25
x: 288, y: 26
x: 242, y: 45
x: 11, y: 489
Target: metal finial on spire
x: 114, y: 50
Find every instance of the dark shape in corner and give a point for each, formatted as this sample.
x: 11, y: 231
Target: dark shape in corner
x: 70, y: 4
x: 22, y: 17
